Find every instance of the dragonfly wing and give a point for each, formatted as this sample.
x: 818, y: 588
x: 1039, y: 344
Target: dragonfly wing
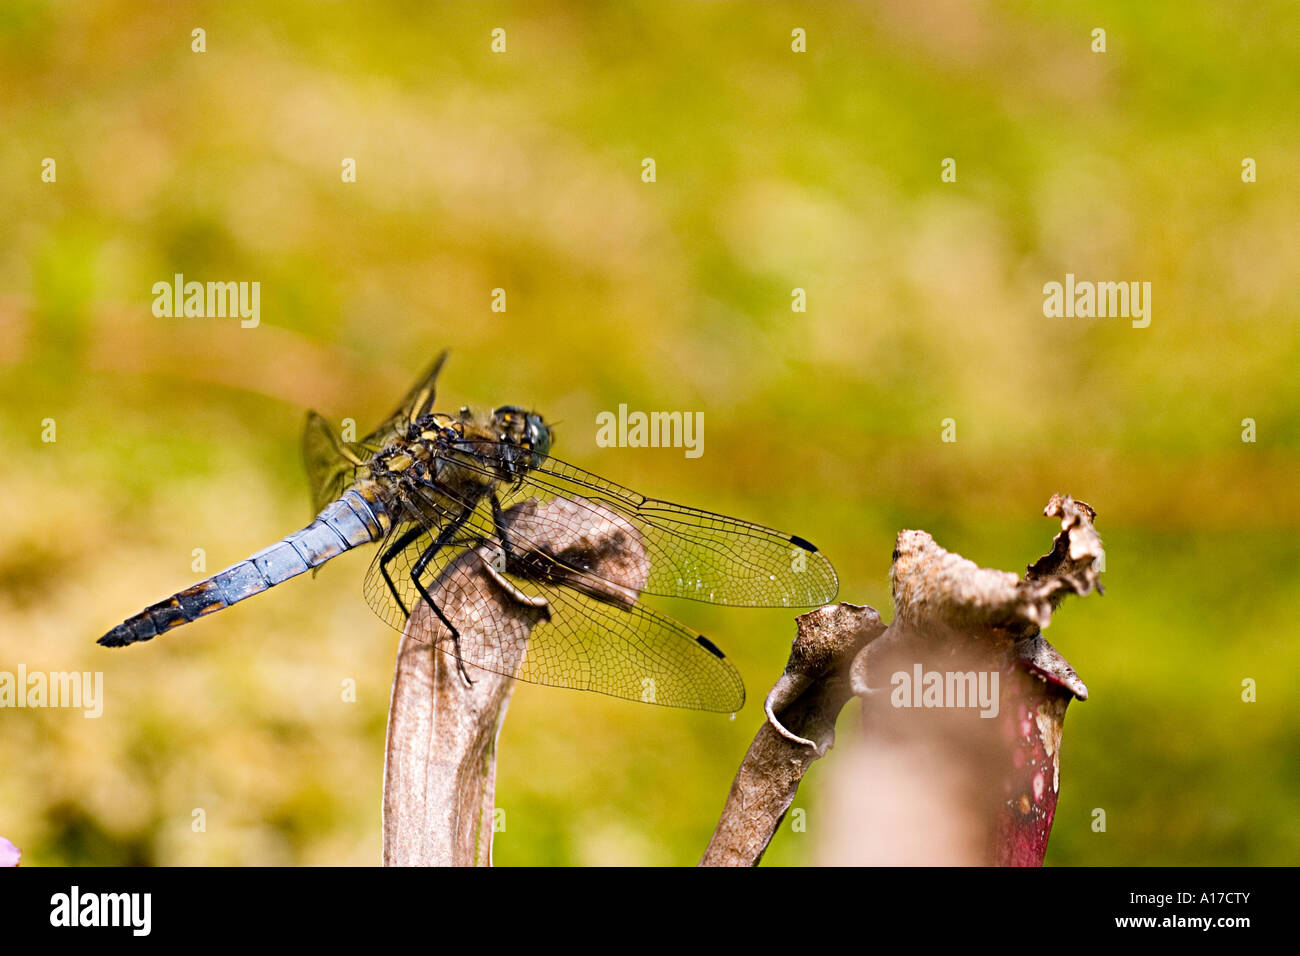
x: 693, y: 554
x: 330, y: 462
x: 531, y: 614
x: 625, y: 651
x: 418, y: 402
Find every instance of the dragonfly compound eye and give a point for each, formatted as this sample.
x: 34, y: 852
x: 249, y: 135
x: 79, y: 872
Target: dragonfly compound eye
x: 539, y: 438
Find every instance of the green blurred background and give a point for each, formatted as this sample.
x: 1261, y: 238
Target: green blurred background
x: 775, y: 170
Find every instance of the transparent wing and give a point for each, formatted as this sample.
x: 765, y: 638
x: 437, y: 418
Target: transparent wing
x: 693, y: 554
x: 331, y: 463
x: 529, y: 614
x: 418, y: 401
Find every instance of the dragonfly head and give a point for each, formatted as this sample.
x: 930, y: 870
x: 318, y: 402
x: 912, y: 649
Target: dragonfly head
x: 523, y: 428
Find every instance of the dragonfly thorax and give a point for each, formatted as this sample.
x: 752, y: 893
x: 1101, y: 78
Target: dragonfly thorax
x: 460, y: 458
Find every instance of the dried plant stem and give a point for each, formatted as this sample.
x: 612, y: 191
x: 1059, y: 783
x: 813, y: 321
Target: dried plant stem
x: 937, y: 785
x: 801, y: 709
x: 440, y: 764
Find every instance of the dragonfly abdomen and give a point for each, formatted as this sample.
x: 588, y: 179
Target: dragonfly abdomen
x: 356, y: 518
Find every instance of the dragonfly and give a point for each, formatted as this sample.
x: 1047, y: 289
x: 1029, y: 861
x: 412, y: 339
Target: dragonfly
x: 515, y: 562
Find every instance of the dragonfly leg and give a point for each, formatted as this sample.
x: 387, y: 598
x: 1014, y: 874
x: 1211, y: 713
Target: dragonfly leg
x: 393, y: 551
x: 507, y: 554
x: 455, y: 634
x: 490, y: 568
x: 499, y: 524
x: 417, y: 571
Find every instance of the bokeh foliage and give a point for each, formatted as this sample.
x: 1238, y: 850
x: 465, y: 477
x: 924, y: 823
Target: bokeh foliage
x: 775, y: 170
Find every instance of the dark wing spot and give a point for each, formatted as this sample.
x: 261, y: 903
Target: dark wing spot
x: 803, y: 543
x: 709, y: 646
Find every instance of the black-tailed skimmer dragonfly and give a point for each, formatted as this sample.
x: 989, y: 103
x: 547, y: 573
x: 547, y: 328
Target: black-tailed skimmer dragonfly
x: 576, y: 550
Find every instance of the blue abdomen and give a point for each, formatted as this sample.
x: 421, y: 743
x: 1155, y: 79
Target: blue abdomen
x: 351, y: 521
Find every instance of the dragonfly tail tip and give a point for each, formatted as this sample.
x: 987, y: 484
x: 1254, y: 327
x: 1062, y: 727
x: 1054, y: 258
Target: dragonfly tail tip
x: 115, y: 639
